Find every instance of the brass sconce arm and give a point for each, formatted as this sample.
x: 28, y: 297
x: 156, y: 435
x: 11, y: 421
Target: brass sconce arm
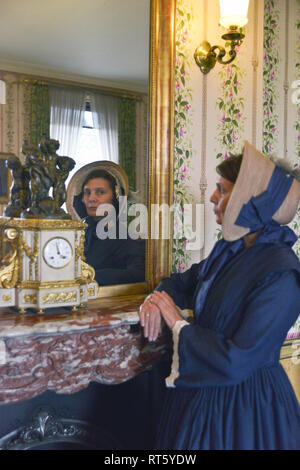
x: 206, y: 57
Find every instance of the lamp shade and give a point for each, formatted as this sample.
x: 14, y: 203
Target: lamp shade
x: 233, y: 13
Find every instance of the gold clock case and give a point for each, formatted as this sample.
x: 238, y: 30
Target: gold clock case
x: 25, y: 281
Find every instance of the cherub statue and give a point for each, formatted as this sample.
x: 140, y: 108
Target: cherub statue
x: 65, y: 165
x: 47, y: 171
x: 40, y: 182
x: 20, y: 198
x: 48, y: 148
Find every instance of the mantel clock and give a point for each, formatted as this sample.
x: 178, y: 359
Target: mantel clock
x: 41, y: 247
x: 43, y: 265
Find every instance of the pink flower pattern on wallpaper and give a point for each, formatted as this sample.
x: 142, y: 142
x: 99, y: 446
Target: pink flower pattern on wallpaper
x: 231, y: 124
x: 183, y: 139
x: 230, y: 103
x: 297, y: 77
x: 270, y: 72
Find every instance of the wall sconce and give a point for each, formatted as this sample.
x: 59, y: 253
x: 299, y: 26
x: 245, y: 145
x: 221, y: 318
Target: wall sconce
x: 2, y: 92
x: 233, y: 15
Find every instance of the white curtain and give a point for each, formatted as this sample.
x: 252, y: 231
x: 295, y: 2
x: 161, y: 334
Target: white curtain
x: 66, y: 118
x: 105, y: 115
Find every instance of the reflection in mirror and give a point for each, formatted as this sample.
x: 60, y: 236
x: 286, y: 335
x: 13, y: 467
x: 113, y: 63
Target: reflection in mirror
x: 32, y: 59
x: 97, y: 194
x: 94, y: 126
x: 95, y: 105
x: 5, y: 178
x: 91, y: 95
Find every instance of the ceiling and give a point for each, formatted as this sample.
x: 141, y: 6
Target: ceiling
x: 105, y: 40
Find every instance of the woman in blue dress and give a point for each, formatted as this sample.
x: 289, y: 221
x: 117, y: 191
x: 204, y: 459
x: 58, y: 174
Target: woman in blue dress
x: 116, y: 258
x: 227, y: 389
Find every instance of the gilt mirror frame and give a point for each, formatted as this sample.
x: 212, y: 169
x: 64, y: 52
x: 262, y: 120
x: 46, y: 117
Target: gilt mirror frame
x: 161, y: 137
x: 160, y: 143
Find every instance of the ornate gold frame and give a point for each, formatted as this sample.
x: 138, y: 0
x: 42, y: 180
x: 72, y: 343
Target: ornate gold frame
x: 161, y: 135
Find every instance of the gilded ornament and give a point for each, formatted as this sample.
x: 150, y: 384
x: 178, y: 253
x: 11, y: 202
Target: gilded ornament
x: 11, y: 233
x: 30, y: 299
x: 9, y: 274
x: 6, y: 298
x: 49, y: 285
x: 31, y: 253
x: 59, y: 297
x: 43, y: 224
x: 87, y: 272
x: 79, y: 249
x: 9, y: 269
x: 91, y: 291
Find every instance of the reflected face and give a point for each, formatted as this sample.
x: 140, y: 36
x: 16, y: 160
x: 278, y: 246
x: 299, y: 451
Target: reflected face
x: 95, y: 192
x: 220, y: 197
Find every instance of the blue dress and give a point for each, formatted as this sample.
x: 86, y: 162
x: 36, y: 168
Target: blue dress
x: 116, y: 261
x: 231, y: 391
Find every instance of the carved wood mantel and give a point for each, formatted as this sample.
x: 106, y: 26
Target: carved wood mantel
x: 64, y: 351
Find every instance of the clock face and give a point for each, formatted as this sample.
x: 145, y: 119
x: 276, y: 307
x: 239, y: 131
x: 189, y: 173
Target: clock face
x: 57, y: 252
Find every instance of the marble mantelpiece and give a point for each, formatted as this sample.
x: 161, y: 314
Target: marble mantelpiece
x: 64, y: 351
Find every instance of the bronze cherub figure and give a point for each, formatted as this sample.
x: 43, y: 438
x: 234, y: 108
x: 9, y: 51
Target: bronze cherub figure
x: 42, y: 171
x: 20, y: 197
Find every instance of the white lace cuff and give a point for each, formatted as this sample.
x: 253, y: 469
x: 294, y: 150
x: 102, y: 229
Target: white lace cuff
x: 175, y: 360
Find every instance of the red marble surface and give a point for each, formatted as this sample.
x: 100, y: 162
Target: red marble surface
x: 65, y: 351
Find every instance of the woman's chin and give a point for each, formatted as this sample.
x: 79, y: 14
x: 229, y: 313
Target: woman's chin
x: 91, y: 212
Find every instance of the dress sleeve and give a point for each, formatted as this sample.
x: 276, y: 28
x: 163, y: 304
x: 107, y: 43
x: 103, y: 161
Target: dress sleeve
x: 132, y: 254
x: 181, y: 286
x: 207, y: 357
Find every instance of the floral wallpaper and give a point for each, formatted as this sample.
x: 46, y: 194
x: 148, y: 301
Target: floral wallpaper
x: 230, y: 104
x: 297, y: 77
x: 270, y: 72
x: 39, y: 114
x: 127, y: 138
x: 296, y: 222
x: 272, y: 87
x: 12, y: 117
x: 23, y: 101
x: 183, y: 143
x: 9, y: 117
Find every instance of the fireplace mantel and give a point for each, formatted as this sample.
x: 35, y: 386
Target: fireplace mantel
x: 64, y: 351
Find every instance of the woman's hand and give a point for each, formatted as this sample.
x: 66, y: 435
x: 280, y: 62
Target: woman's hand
x: 150, y: 318
x: 167, y: 307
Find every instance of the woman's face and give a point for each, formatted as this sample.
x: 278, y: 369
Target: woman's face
x: 220, y: 198
x: 95, y: 192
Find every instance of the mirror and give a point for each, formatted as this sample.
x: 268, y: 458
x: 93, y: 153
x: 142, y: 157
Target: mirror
x: 160, y: 97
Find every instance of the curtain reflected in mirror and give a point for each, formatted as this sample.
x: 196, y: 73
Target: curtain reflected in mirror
x: 92, y: 126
